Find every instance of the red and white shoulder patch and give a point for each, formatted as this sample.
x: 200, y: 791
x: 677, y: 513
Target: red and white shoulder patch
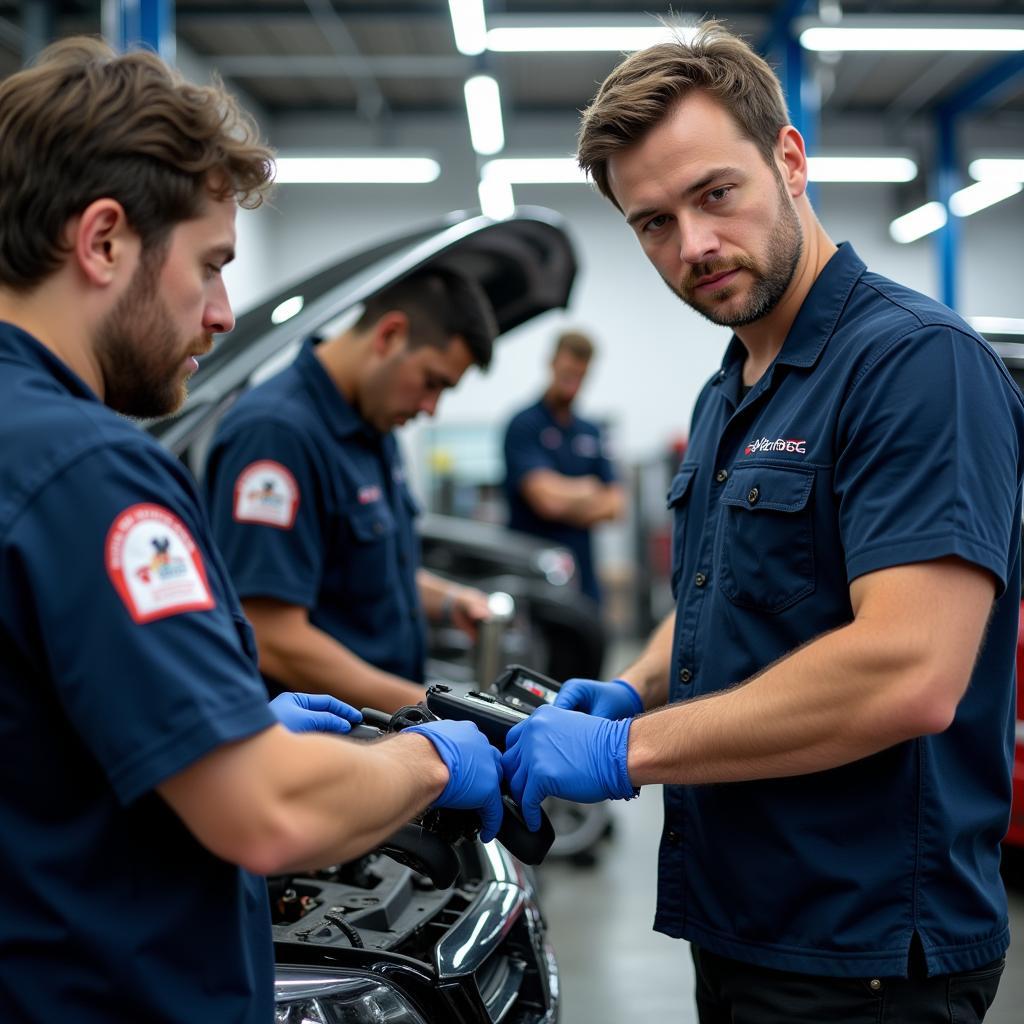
x: 155, y: 565
x: 266, y: 492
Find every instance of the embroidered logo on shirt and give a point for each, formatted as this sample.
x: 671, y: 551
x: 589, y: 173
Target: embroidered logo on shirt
x: 368, y: 494
x: 586, y: 446
x: 764, y: 444
x: 155, y: 565
x: 266, y: 492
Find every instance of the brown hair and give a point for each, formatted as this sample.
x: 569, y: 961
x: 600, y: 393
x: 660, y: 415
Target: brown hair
x: 85, y: 123
x: 576, y: 343
x: 644, y: 88
x: 440, y: 304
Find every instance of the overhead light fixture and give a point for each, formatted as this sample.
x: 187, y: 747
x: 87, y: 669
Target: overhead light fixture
x: 861, y: 168
x: 836, y: 39
x: 356, y: 170
x: 918, y: 223
x: 483, y: 108
x: 997, y: 324
x: 286, y: 310
x: 580, y: 38
x: 980, y: 195
x: 496, y: 198
x: 469, y: 26
x: 996, y: 170
x: 557, y: 170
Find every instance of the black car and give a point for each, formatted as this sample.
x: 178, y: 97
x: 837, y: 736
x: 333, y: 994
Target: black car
x: 379, y: 939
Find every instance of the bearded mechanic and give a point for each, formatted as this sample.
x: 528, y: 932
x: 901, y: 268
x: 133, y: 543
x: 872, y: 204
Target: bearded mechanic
x: 835, y: 686
x: 311, y: 508
x: 146, y: 782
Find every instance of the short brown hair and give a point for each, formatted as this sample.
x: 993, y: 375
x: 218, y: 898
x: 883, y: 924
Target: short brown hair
x: 645, y: 87
x: 576, y: 343
x: 441, y: 304
x: 84, y: 123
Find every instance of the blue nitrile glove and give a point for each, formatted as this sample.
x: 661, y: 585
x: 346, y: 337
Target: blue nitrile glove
x: 474, y: 771
x: 613, y: 700
x: 563, y: 753
x: 314, y: 712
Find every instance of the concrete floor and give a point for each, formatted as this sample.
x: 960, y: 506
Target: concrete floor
x: 615, y: 968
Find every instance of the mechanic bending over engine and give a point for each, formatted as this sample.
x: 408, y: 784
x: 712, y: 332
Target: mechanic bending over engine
x: 146, y: 782
x: 311, y: 508
x: 838, y: 672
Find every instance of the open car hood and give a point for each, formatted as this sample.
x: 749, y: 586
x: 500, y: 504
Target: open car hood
x: 525, y: 264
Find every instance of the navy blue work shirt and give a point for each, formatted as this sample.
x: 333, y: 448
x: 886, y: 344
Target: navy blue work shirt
x: 124, y: 658
x: 534, y: 439
x: 310, y: 505
x: 885, y: 432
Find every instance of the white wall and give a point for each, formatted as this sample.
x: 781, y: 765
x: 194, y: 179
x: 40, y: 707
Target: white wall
x: 654, y: 352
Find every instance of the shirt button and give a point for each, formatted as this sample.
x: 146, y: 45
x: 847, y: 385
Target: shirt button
x: 700, y: 579
x: 874, y: 984
x: 722, y: 475
x: 685, y: 675
x: 672, y: 838
x: 752, y: 495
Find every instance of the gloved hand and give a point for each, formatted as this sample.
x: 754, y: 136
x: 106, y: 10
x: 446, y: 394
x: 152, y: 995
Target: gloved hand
x: 314, y: 712
x: 563, y: 753
x: 474, y: 771
x: 613, y: 700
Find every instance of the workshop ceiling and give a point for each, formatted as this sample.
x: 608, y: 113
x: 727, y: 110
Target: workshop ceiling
x: 386, y: 58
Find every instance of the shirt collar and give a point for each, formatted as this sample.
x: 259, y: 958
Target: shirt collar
x: 816, y: 320
x: 337, y: 413
x: 18, y: 346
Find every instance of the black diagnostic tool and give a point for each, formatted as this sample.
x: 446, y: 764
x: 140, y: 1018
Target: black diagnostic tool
x: 523, y: 688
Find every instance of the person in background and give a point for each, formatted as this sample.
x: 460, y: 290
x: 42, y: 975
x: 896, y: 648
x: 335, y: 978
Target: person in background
x: 310, y: 504
x: 831, y: 701
x: 559, y: 482
x: 146, y: 783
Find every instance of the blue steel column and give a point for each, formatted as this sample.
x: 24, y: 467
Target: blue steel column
x: 947, y: 181
x: 129, y: 24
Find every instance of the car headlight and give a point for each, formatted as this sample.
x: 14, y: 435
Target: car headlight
x: 306, y: 995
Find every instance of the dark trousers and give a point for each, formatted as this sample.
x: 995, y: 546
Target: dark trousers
x: 732, y: 992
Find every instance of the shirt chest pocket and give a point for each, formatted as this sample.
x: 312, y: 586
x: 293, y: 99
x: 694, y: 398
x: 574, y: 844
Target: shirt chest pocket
x: 766, y: 540
x: 678, y: 504
x: 371, y: 540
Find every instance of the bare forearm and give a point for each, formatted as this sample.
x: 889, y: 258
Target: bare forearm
x: 308, y: 660
x: 648, y: 675
x: 434, y: 593
x: 842, y: 697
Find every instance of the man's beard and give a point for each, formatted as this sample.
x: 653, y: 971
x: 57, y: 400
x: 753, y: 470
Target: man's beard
x: 141, y: 353
x: 781, y: 255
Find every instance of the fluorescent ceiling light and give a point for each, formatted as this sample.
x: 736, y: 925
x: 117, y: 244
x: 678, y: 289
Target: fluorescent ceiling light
x: 469, y: 26
x: 496, y: 199
x: 837, y: 39
x: 287, y: 309
x: 997, y: 170
x: 350, y: 170
x: 980, y: 195
x: 483, y: 108
x: 918, y: 223
x: 536, y: 170
x: 565, y: 38
x: 861, y: 168
x: 997, y: 324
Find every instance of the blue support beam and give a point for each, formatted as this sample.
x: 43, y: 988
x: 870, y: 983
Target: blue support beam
x: 129, y: 24
x: 986, y: 89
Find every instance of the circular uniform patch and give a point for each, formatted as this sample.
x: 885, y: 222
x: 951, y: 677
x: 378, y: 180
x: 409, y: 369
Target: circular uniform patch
x: 155, y: 565
x: 266, y: 492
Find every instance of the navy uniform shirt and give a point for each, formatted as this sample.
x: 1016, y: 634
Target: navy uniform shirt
x: 309, y: 505
x: 886, y: 432
x: 536, y: 440
x: 124, y: 658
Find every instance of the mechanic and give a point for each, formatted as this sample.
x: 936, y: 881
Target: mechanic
x: 146, y: 783
x: 310, y: 504
x: 839, y: 668
x: 559, y: 481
